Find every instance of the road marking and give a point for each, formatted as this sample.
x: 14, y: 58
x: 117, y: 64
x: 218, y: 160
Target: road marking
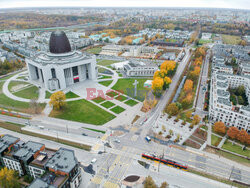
x: 133, y: 129
x: 109, y: 184
x: 97, y: 180
x: 104, y: 137
x: 134, y: 138
x: 96, y: 147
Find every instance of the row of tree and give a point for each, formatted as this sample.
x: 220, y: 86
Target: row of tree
x: 161, y: 79
x: 188, y: 92
x: 233, y: 132
x: 10, y: 66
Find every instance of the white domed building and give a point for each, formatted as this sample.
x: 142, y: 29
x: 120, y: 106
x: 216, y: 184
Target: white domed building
x: 61, y: 67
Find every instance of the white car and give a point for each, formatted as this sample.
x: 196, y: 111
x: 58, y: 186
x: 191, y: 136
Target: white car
x: 117, y: 141
x: 93, y: 161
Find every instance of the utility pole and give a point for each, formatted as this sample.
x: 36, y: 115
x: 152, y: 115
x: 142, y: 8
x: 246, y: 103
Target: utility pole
x: 135, y: 84
x: 162, y: 157
x: 67, y: 128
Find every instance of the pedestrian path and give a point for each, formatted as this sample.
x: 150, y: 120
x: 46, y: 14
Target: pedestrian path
x: 222, y: 141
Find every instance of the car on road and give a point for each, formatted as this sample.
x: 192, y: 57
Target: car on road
x: 141, y: 123
x: 93, y: 161
x: 117, y: 141
x: 147, y: 138
x: 84, y: 134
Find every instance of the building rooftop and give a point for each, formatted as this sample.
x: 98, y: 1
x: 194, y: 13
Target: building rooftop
x: 222, y: 84
x: 28, y: 150
x: 63, y: 160
x: 59, y: 43
x: 223, y: 93
x: 6, y: 141
x: 43, y: 157
x: 224, y: 101
x: 39, y: 183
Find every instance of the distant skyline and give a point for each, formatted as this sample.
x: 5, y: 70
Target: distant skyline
x: 234, y: 4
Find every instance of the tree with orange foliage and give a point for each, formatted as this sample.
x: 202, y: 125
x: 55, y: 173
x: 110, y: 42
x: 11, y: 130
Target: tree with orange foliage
x: 187, y: 100
x: 195, y: 73
x: 196, y: 119
x: 219, y: 127
x: 167, y: 81
x: 200, y: 52
x: 233, y: 132
x: 242, y: 136
x: 157, y: 85
x: 188, y: 86
x: 198, y: 61
x: 168, y: 65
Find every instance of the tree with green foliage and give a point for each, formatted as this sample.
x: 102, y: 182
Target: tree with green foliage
x: 240, y: 100
x: 8, y: 178
x: 164, y: 185
x: 240, y: 90
x: 172, y: 109
x: 149, y: 183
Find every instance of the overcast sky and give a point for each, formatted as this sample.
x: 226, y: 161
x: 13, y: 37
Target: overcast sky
x: 239, y: 4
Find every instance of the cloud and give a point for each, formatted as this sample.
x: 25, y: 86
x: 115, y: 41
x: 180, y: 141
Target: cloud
x: 243, y: 4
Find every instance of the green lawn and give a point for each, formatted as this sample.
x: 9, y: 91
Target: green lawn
x: 127, y: 87
x: 215, y: 140
x: 15, y: 83
x: 95, y: 50
x: 98, y: 99
x: 108, y: 104
x: 201, y: 42
x: 47, y: 95
x: 204, y: 127
x: 231, y: 39
x: 112, y: 94
x: 71, y: 95
x: 7, y: 102
x: 131, y: 102
x: 96, y: 130
x: 235, y: 148
x: 83, y: 111
x: 29, y: 93
x: 105, y: 62
x: 105, y: 77
x: 117, y: 109
x: 106, y: 83
x: 121, y: 98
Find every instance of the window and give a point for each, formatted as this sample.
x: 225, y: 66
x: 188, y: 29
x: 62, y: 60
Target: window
x: 53, y: 73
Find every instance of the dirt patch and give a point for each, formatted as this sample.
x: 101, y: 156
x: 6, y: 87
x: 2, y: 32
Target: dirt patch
x: 192, y: 144
x: 135, y: 119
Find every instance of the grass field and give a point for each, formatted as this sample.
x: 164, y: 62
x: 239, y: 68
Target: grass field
x: 47, y: 95
x: 29, y: 93
x: 127, y: 87
x: 98, y: 100
x: 95, y: 50
x: 117, y: 109
x: 236, y: 149
x: 96, y: 130
x: 121, y: 98
x: 105, y: 62
x: 108, y: 104
x: 7, y: 102
x: 215, y: 140
x: 231, y: 39
x: 71, y: 95
x: 106, y: 83
x: 15, y: 83
x: 83, y: 111
x: 131, y: 102
x: 201, y: 42
x: 216, y: 178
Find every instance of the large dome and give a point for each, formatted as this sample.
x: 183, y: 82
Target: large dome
x: 59, y: 43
